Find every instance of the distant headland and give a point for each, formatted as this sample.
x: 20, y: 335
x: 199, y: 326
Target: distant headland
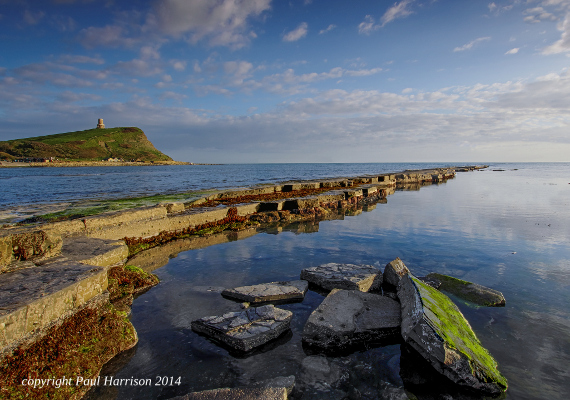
x: 92, y: 147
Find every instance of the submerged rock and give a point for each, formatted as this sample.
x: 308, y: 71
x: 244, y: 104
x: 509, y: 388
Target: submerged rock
x: 469, y: 291
x: 437, y: 330
x: 269, y: 292
x: 269, y: 393
x: 287, y: 382
x: 331, y: 276
x: 245, y: 330
x: 347, y: 318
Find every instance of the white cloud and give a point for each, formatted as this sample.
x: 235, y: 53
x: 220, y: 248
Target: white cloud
x: 367, y: 26
x: 297, y: 33
x: 513, y: 51
x: 563, y: 44
x: 398, y: 10
x: 469, y: 46
x: 224, y: 22
x: 328, y: 29
x: 178, y: 65
x: 537, y: 14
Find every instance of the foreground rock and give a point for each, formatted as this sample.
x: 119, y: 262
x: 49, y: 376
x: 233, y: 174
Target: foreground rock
x: 436, y: 329
x: 469, y: 291
x: 269, y: 292
x: 331, y: 276
x: 245, y: 330
x: 394, y: 271
x: 348, y: 318
x: 237, y: 394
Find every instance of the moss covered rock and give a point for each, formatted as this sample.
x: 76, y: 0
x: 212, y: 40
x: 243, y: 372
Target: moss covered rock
x: 469, y: 291
x: 439, y: 332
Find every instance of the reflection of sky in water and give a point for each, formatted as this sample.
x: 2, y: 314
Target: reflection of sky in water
x: 469, y: 227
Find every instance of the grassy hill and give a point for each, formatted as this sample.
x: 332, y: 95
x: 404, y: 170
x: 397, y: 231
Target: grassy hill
x: 89, y: 145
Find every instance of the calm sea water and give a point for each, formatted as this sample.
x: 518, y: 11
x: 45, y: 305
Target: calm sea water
x: 508, y: 230
x: 29, y: 186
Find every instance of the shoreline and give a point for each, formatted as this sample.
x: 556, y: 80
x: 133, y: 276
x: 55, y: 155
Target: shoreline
x: 7, y: 164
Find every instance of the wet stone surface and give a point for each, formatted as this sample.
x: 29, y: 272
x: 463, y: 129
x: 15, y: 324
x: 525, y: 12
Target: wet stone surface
x: 348, y: 318
x: 245, y: 330
x: 269, y: 292
x: 331, y: 276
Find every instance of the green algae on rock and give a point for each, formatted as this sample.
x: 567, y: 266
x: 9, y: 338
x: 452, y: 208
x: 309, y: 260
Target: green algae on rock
x: 469, y: 291
x: 436, y: 329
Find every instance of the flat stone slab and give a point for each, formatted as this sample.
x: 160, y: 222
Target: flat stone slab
x: 237, y: 394
x: 32, y: 298
x: 245, y: 330
x: 268, y: 292
x: 469, y: 291
x: 92, y: 251
x: 438, y: 331
x: 344, y: 276
x: 347, y: 318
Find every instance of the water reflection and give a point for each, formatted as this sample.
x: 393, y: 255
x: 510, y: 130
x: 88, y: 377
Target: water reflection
x: 467, y: 228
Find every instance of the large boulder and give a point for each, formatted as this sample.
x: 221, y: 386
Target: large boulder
x: 348, y: 318
x: 469, y: 291
x: 439, y: 332
x: 269, y: 292
x: 344, y: 276
x: 245, y: 330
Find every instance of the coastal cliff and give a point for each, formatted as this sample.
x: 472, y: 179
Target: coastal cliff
x: 114, y: 144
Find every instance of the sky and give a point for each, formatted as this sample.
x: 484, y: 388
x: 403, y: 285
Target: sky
x: 253, y: 81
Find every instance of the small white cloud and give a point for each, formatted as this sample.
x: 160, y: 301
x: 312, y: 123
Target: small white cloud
x: 492, y: 7
x: 407, y: 90
x: 179, y: 65
x: 513, y: 51
x: 329, y: 28
x: 367, y: 26
x: 472, y: 43
x: 398, y: 10
x: 537, y: 14
x: 297, y: 33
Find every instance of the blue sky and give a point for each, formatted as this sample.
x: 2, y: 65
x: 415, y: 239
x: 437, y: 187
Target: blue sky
x: 295, y: 81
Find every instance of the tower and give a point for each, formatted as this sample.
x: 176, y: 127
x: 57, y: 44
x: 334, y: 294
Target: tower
x: 100, y: 124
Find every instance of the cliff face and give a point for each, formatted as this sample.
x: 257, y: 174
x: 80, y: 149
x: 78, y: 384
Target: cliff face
x: 92, y: 144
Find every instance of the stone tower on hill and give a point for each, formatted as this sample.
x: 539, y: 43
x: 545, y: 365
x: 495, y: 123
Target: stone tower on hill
x: 100, y: 124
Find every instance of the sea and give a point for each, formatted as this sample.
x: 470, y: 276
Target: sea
x: 506, y: 227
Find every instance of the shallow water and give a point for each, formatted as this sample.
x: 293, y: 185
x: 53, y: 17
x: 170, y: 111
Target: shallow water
x: 507, y: 230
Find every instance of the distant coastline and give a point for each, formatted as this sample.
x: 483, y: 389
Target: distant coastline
x: 8, y: 164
